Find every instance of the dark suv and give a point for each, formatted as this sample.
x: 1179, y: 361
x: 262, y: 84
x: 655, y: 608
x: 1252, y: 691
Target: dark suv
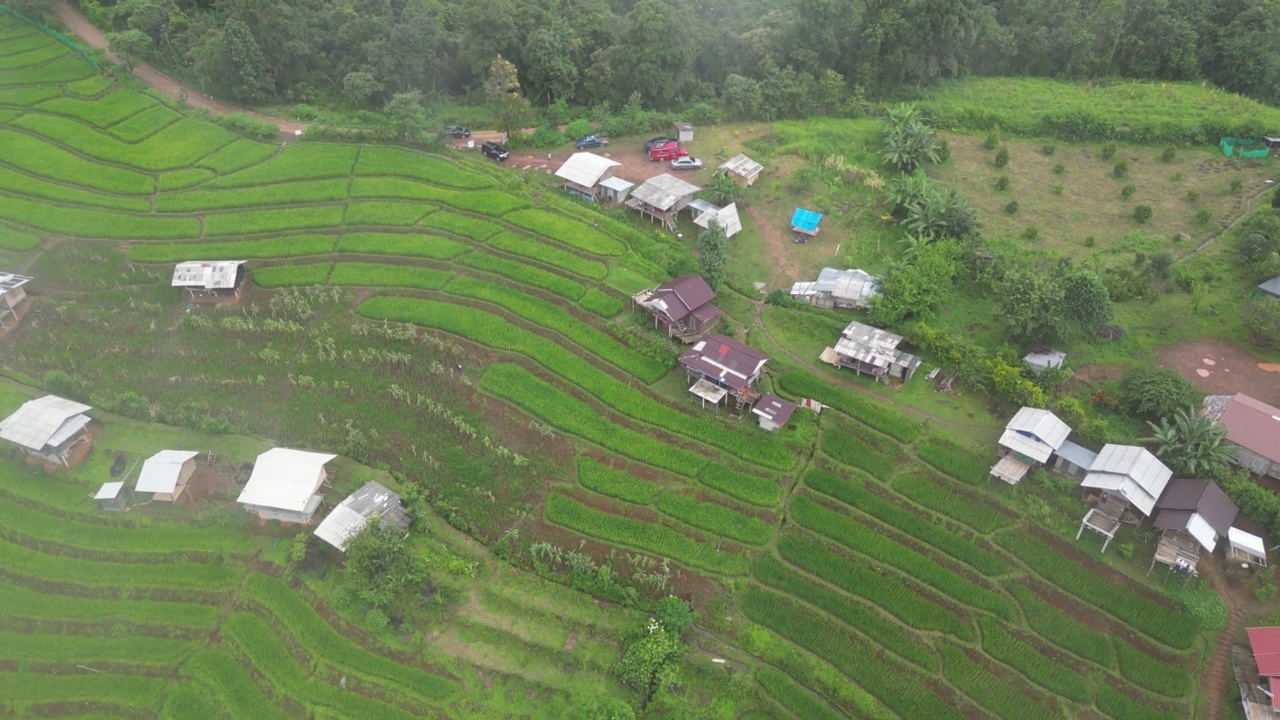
x: 494, y: 150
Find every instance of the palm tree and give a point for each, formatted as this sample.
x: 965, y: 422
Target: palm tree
x: 723, y: 190
x: 1191, y: 444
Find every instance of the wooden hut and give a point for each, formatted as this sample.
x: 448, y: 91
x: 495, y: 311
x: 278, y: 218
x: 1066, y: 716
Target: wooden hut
x: 723, y: 370
x: 166, y: 473
x: 682, y: 307
x: 844, y: 289
x: 14, y: 300
x: 773, y: 411
x: 871, y: 351
x: 662, y: 198
x: 1030, y: 438
x: 49, y: 429
x: 1253, y: 433
x: 1193, y: 515
x: 742, y: 169
x: 112, y: 497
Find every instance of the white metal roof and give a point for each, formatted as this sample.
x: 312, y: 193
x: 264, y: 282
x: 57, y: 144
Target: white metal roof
x: 1247, y: 541
x: 585, y: 168
x: 852, y: 286
x: 1131, y: 471
x: 1035, y: 433
x: 161, y: 471
x: 284, y: 479
x: 617, y: 184
x: 1078, y: 455
x: 1045, y: 359
x: 208, y: 274
x: 1203, y: 532
x: 9, y: 281
x: 40, y: 422
x: 109, y: 491
x: 874, y: 346
x: 663, y: 191
x: 727, y: 216
x: 373, y: 500
x: 742, y: 165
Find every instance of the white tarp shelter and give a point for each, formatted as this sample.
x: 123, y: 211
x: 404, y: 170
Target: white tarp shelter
x: 166, y: 473
x: 374, y: 500
x: 1247, y: 547
x: 1129, y: 472
x: 284, y: 485
x: 12, y: 294
x: 47, y: 428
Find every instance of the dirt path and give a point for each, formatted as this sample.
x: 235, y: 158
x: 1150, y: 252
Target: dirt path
x: 781, y: 258
x: 1217, y: 677
x: 94, y: 38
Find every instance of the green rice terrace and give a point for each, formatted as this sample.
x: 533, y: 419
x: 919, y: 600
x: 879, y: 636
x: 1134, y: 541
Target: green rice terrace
x: 449, y: 325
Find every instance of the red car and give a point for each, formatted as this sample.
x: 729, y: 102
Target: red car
x: 667, y: 151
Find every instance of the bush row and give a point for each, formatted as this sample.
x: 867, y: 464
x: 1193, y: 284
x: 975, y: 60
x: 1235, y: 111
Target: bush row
x: 1061, y: 629
x: 986, y: 686
x: 901, y: 688
x: 809, y: 514
x: 291, y: 275
x: 860, y: 616
x: 615, y: 483
x: 462, y: 225
x: 525, y: 274
x: 879, y: 416
x: 656, y: 539
x: 922, y: 529
x: 794, y: 696
x: 851, y: 447
x: 884, y: 589
x: 282, y: 247
x: 1041, y: 669
x: 601, y: 303
x: 978, y: 514
x: 570, y: 232
x: 765, y: 492
x: 527, y: 247
x: 1150, y: 673
x: 716, y: 519
x: 407, y: 245
x: 953, y: 460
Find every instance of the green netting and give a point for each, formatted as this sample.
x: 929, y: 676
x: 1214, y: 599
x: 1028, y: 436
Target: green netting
x: 55, y: 35
x: 1239, y: 147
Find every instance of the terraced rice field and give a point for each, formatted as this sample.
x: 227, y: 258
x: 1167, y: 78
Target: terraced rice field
x: 438, y: 316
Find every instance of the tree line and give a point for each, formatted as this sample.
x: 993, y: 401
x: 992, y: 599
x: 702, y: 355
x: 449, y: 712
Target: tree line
x: 760, y: 59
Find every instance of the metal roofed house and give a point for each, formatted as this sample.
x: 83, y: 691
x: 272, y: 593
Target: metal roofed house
x: 805, y: 222
x: 727, y: 216
x: 722, y: 368
x: 773, y: 411
x: 1030, y: 438
x: 374, y: 500
x: 284, y: 485
x: 1041, y: 360
x: 209, y: 278
x: 615, y: 190
x: 742, y: 168
x: 166, y: 473
x: 1131, y: 473
x: 13, y: 299
x: 662, y: 198
x: 844, y: 289
x: 682, y: 306
x: 48, y: 428
x: 872, y: 351
x: 1257, y: 674
x: 112, y: 496
x: 583, y: 171
x: 1193, y: 514
x: 1271, y: 287
x: 1253, y: 429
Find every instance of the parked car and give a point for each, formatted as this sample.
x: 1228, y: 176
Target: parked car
x: 648, y: 144
x: 495, y: 151
x: 670, y: 151
x: 593, y: 141
x: 457, y: 131
x: 686, y: 163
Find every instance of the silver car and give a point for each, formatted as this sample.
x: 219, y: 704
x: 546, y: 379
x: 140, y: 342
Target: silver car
x: 686, y: 163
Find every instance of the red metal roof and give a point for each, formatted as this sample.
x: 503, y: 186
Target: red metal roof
x: 728, y: 361
x: 1253, y: 425
x: 1265, y: 642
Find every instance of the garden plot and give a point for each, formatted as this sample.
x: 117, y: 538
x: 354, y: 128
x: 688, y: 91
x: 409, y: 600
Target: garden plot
x: 304, y: 161
x: 176, y: 146
x: 104, y: 112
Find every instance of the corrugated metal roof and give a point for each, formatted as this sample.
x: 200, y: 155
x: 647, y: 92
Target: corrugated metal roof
x: 1045, y: 358
x: 68, y: 430
x: 663, y: 191
x: 1078, y: 455
x: 852, y: 286
x: 1271, y: 287
x: 874, y: 346
x: 1203, y: 497
x: 161, y: 471
x: 742, y: 165
x: 38, y: 422
x: 1131, y: 471
x: 805, y: 220
x: 1247, y: 541
x: 210, y: 275
x: 727, y: 216
x: 109, y: 491
x: 678, y: 297
x: 9, y: 281
x: 724, y: 358
x: 616, y: 184
x: 284, y: 479
x: 774, y: 408
x: 1265, y: 642
x: 1038, y: 427
x: 373, y: 500
x: 585, y: 168
x: 1253, y: 425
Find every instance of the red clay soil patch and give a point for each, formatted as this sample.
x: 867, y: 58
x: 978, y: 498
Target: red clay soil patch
x: 1233, y: 370
x: 209, y: 483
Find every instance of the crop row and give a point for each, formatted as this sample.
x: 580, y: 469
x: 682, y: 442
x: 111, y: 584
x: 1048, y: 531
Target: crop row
x: 250, y: 222
x: 378, y: 160
x: 852, y: 448
x: 794, y: 696
x: 765, y: 492
x: 44, y: 160
x: 856, y: 536
x: 715, y: 518
x: 11, y: 239
x: 91, y: 223
x: 570, y: 232
x: 20, y: 690
x: 20, y: 601
x: 90, y: 87
x: 27, y: 96
x: 102, y: 112
x: 145, y: 124
x: 301, y: 161
x: 187, y: 701
x: 858, y: 615
x: 1061, y: 629
x: 88, y: 649
x: 240, y: 154
x: 14, y: 44
x: 176, y: 146
x: 58, y: 71
x: 281, y: 247
x: 19, y: 184
x: 384, y: 213
x: 1041, y: 669
x: 979, y: 681
x: 34, y: 56
x: 205, y: 576
x: 183, y: 179
x: 601, y: 303
x: 292, y: 275
x: 313, y: 633
x: 1151, y: 673
x: 615, y: 483
x: 1077, y: 574
x: 296, y: 193
x: 922, y: 529
x: 884, y: 589
x: 527, y: 247
x: 657, y: 539
x: 234, y: 687
x: 548, y: 315
x: 1120, y: 706
x: 526, y: 274
x: 879, y: 416
x: 956, y: 504
x: 493, y: 203
x: 462, y: 225
x: 953, y: 460
x: 267, y: 651
x: 380, y: 275
x: 515, y: 384
x: 403, y: 244
x: 892, y: 681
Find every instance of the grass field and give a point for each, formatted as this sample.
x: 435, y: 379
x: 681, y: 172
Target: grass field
x: 407, y: 311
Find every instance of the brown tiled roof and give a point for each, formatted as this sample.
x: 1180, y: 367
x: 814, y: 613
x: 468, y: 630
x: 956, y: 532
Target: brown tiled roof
x: 684, y: 295
x: 725, y: 359
x: 1184, y: 496
x: 1253, y: 425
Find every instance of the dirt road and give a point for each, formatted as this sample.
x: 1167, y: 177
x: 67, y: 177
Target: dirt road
x: 93, y: 37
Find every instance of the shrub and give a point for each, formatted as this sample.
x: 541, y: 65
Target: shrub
x: 1127, y: 191
x: 1261, y: 318
x: 1108, y: 151
x: 1192, y: 197
x: 1049, y: 149
x: 1121, y: 169
x: 1059, y: 169
x: 1002, y: 183
x: 1236, y: 185
x: 1031, y: 234
x: 990, y: 142
x: 578, y: 129
x: 1012, y: 207
x: 1058, y: 189
x: 781, y: 298
x: 1002, y: 157
x: 545, y: 137
x: 1203, y: 217
x: 1141, y: 214
x: 1168, y: 154
x: 1157, y: 392
x: 249, y: 125
x: 1090, y: 241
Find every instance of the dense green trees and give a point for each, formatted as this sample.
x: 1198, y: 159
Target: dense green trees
x: 1157, y: 392
x: 1190, y: 444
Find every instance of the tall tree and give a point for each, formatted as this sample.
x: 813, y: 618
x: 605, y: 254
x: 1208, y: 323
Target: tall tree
x: 552, y: 58
x: 653, y: 50
x: 713, y: 254
x: 503, y: 87
x: 380, y: 565
x: 232, y: 64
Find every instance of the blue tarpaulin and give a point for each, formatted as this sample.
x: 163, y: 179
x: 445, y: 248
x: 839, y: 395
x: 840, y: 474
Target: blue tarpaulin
x: 805, y: 221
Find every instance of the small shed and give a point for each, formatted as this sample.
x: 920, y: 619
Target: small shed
x: 1041, y: 360
x: 374, y: 501
x: 614, y: 190
x: 742, y: 169
x: 285, y: 484
x: 682, y: 131
x: 843, y: 289
x: 1030, y: 438
x: 13, y: 299
x: 725, y: 363
x: 583, y: 171
x: 682, y: 306
x: 1253, y: 432
x: 49, y: 429
x: 1270, y: 287
x: 1246, y: 548
x: 1129, y: 473
x: 805, y: 222
x: 202, y: 279
x: 773, y: 411
x: 112, y: 496
x: 871, y: 351
x: 1074, y: 460
x: 166, y: 473
x: 726, y: 216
